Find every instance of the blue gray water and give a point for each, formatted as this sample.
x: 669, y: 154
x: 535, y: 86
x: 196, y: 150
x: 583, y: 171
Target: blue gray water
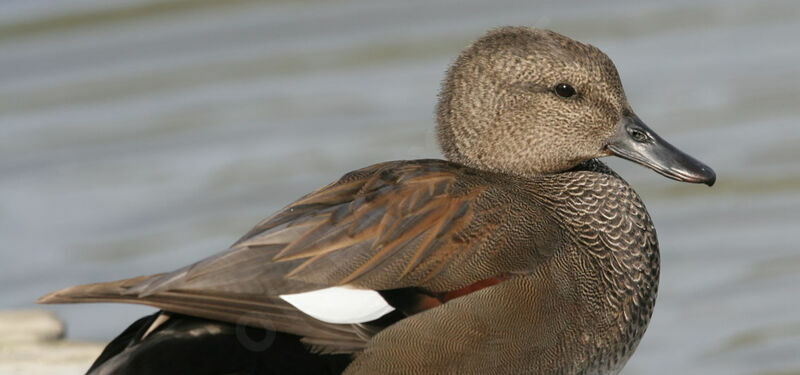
x: 139, y: 136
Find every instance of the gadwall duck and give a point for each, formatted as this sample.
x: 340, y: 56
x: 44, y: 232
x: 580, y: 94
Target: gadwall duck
x: 521, y: 253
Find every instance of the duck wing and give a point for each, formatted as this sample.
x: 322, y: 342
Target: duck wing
x: 430, y: 225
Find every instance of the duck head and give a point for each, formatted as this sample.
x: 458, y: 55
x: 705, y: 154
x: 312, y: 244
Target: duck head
x: 527, y: 102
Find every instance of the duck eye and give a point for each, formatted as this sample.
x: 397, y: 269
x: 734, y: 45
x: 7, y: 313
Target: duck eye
x: 564, y: 90
x: 638, y: 135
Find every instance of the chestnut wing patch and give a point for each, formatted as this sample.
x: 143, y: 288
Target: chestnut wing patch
x: 408, y: 221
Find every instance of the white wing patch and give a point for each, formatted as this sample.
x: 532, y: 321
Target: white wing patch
x: 340, y: 305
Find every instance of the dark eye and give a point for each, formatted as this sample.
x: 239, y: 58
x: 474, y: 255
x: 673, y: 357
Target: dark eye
x: 564, y: 90
x: 638, y: 135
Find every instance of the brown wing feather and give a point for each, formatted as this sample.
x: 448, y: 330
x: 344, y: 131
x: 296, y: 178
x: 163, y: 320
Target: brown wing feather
x: 269, y: 312
x: 388, y: 226
x: 428, y: 224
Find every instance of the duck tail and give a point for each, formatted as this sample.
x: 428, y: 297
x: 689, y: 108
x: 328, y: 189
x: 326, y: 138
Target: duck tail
x: 112, y: 291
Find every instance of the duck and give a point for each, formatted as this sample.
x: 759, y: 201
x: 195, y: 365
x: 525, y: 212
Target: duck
x: 519, y: 253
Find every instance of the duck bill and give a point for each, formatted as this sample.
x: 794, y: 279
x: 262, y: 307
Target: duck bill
x: 636, y: 142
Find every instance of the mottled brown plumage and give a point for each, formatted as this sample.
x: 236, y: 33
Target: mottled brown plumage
x: 580, y: 307
x: 522, y: 254
x: 497, y: 110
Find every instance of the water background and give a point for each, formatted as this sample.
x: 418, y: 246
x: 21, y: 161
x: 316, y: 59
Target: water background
x: 140, y: 136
